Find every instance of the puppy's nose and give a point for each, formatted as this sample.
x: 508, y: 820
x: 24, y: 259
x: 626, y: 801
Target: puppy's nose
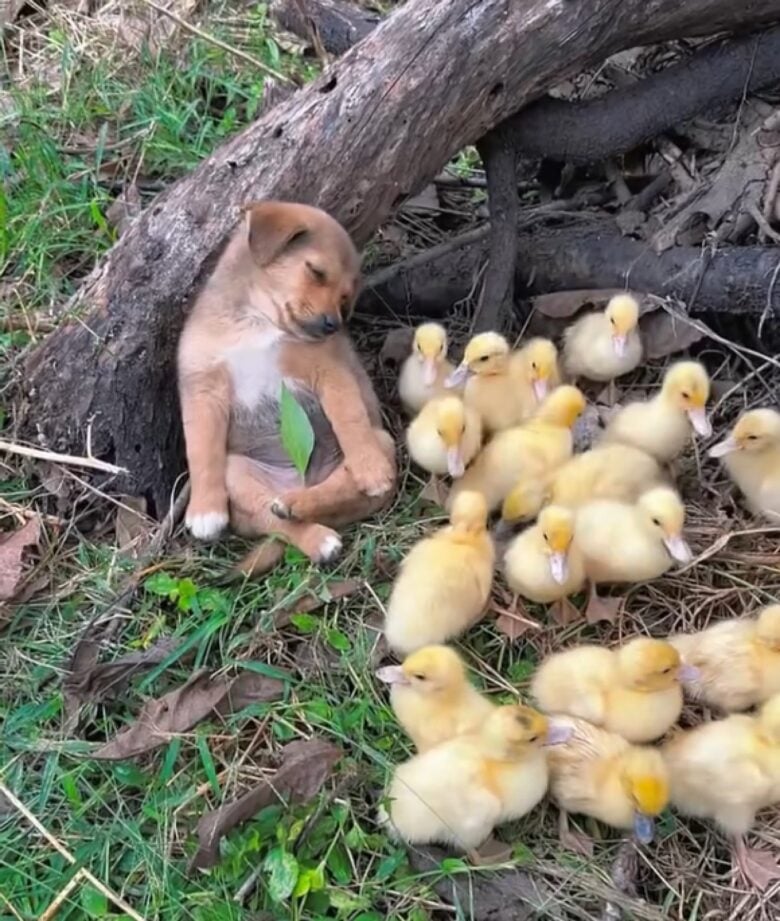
x: 330, y: 325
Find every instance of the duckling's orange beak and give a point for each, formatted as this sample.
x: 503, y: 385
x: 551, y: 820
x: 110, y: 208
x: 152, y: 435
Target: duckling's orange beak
x: 458, y: 377
x: 699, y: 421
x: 678, y: 548
x: 429, y: 371
x: 541, y: 386
x: 722, y: 448
x: 455, y: 465
x: 392, y: 674
x: 619, y: 344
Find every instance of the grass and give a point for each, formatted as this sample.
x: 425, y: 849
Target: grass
x: 98, y: 117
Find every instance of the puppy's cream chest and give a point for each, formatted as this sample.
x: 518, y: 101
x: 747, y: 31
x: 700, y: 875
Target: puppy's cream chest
x: 253, y: 362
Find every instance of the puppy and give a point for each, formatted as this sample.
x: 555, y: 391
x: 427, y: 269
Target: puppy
x: 273, y: 311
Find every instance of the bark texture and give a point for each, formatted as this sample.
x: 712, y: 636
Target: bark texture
x: 376, y: 126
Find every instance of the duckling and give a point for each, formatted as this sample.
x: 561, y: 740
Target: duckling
x: 536, y: 370
x: 526, y: 450
x: 739, y: 660
x: 425, y: 370
x: 751, y: 455
x: 727, y: 770
x: 624, y: 542
x: 459, y: 791
x: 444, y: 582
x: 445, y: 436
x: 610, y: 471
x: 662, y: 425
x: 488, y: 386
x: 600, y: 774
x: 543, y: 563
x: 634, y: 690
x: 605, y: 345
x: 432, y: 698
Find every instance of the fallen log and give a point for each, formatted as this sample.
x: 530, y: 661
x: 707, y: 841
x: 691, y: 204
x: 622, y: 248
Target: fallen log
x: 371, y: 130
x: 584, y: 255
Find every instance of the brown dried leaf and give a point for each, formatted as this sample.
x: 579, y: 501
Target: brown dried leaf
x: 12, y: 551
x: 88, y: 682
x: 512, y: 624
x: 132, y: 524
x: 397, y: 346
x: 306, y: 765
x: 562, y: 304
x: 436, y: 492
x: 124, y: 209
x: 181, y: 709
x: 312, y: 598
x: 664, y: 334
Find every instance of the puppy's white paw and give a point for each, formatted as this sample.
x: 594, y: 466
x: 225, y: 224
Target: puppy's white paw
x: 329, y: 549
x: 208, y: 525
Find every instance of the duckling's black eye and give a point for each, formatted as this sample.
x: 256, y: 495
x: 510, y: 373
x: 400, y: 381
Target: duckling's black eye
x: 612, y: 320
x: 667, y: 670
x: 534, y: 366
x: 685, y: 395
x: 420, y: 677
x: 752, y: 438
x: 545, y: 536
x: 532, y: 738
x: 484, y: 358
x: 657, y: 522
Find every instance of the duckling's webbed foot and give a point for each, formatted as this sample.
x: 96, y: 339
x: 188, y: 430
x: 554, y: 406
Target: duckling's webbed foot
x: 599, y: 608
x: 490, y: 852
x: 435, y: 491
x: 575, y: 841
x: 759, y: 868
x: 563, y: 612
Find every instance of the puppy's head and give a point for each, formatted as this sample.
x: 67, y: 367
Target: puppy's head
x: 304, y: 263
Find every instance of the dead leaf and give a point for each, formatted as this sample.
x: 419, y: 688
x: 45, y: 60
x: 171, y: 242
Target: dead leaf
x: 305, y: 767
x: 664, y: 334
x: 397, y: 346
x: 184, y: 707
x: 124, y: 209
x: 424, y: 202
x: 132, y: 524
x: 562, y: 304
x: 12, y: 551
x: 89, y: 682
x: 436, y: 492
x: 514, y: 625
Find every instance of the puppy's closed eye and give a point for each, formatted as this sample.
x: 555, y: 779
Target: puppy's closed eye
x: 318, y: 274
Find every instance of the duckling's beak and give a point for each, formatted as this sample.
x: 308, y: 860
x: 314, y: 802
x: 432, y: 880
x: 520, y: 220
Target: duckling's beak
x: 559, y: 567
x: 700, y: 422
x: 688, y: 673
x: 458, y: 377
x: 619, y: 344
x: 429, y: 372
x: 722, y: 448
x: 455, y: 465
x: 392, y: 674
x: 678, y: 548
x: 557, y: 734
x: 541, y: 386
x: 644, y: 828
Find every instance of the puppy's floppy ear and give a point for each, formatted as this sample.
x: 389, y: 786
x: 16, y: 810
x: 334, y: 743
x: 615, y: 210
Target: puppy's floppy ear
x: 272, y: 227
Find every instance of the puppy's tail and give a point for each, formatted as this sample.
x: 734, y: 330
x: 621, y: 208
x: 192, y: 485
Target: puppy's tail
x: 260, y: 559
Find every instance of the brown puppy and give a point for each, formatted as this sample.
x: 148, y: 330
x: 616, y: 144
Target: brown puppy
x: 274, y: 310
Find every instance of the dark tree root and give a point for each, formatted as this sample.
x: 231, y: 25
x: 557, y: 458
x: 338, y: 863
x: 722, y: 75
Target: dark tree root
x: 731, y: 280
x: 337, y: 25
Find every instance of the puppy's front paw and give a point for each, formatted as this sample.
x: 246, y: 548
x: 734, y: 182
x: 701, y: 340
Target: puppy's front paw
x: 206, y: 524
x: 374, y: 474
x: 329, y: 548
x: 320, y: 544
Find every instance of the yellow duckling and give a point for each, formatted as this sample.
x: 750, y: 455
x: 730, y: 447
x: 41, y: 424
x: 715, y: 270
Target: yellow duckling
x: 536, y: 370
x: 605, y: 345
x: 543, y: 563
x: 634, y: 690
x: 600, y: 774
x: 624, y: 542
x: 738, y: 660
x: 432, y: 697
x: 425, y: 370
x: 527, y: 450
x: 445, y: 436
x: 662, y: 425
x: 444, y: 582
x: 459, y: 791
x: 727, y: 770
x: 610, y: 471
x: 751, y: 455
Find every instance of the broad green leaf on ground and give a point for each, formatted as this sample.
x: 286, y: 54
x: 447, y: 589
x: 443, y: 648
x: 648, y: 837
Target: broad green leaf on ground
x: 296, y: 430
x: 305, y: 767
x: 181, y: 709
x: 282, y: 869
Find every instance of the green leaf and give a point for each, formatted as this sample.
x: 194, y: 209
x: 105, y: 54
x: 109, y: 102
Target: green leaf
x: 297, y: 433
x: 309, y: 881
x: 208, y: 765
x: 187, y: 591
x: 388, y: 865
x: 162, y: 584
x: 453, y: 865
x: 522, y: 854
x: 94, y: 903
x: 306, y: 623
x: 338, y: 640
x: 339, y: 865
x: 282, y: 869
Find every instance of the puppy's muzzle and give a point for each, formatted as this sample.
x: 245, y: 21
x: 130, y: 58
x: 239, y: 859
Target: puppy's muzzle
x: 322, y: 327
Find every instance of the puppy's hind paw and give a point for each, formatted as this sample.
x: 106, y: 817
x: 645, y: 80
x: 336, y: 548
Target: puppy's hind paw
x: 208, y: 525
